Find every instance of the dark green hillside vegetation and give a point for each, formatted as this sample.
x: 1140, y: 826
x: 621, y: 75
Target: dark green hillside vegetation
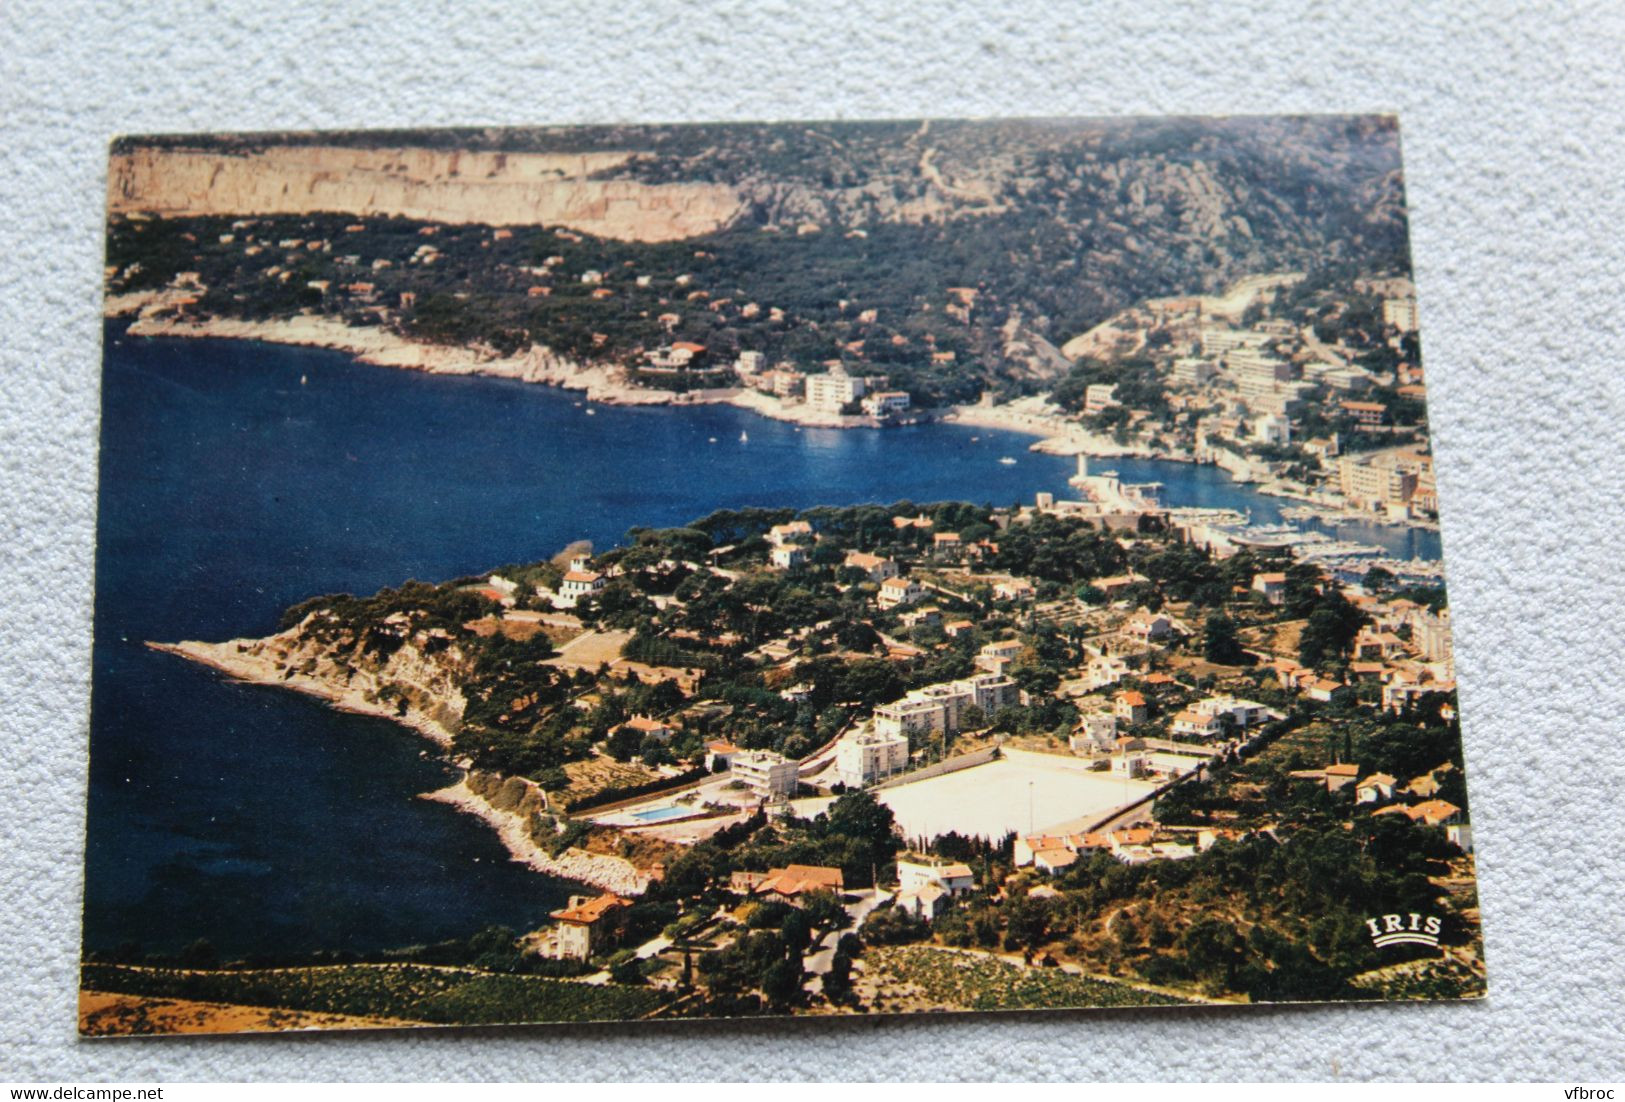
x: 941, y: 256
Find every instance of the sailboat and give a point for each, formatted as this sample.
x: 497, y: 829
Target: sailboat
x: 744, y: 438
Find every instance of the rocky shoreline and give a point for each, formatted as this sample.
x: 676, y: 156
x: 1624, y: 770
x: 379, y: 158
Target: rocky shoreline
x: 243, y: 660
x: 235, y: 660
x: 1058, y: 436
x: 604, y: 383
x: 602, y: 871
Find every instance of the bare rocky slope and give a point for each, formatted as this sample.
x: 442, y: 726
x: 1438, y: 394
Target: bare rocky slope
x: 432, y: 185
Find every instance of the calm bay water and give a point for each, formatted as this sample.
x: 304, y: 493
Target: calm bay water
x: 239, y: 478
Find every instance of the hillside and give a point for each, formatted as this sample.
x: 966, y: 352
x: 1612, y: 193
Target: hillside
x: 949, y: 255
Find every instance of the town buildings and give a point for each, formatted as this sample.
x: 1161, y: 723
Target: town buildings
x: 1400, y: 313
x: 832, y: 391
x: 924, y: 889
x: 578, y: 582
x: 1209, y: 718
x: 899, y: 591
x: 940, y: 708
x: 886, y: 403
x: 588, y: 926
x: 877, y: 567
x: 791, y: 884
x: 865, y: 757
x: 1376, y: 482
x: 768, y: 774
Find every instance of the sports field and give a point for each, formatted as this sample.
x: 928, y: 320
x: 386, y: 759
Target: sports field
x: 1022, y: 792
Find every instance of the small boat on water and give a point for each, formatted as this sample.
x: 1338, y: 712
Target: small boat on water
x: 304, y: 379
x: 711, y: 440
x: 744, y: 438
x: 592, y: 413
x: 1007, y: 461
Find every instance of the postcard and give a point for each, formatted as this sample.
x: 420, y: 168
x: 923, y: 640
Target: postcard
x: 641, y: 572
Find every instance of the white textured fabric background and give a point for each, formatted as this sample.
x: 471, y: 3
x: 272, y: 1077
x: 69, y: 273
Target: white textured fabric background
x: 1515, y: 149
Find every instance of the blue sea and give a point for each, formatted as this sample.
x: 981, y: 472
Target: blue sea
x: 238, y: 478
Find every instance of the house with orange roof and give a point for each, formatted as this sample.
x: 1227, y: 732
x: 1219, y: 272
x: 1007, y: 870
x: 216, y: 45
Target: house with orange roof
x: 1054, y: 859
x: 579, y: 581
x: 645, y: 727
x: 796, y: 532
x: 1428, y: 813
x: 587, y: 926
x: 1150, y: 626
x: 948, y: 545
x: 1375, y: 789
x: 1189, y: 721
x: 899, y: 591
x: 1114, y: 584
x: 678, y: 356
x: 1341, y: 775
x: 1366, y: 413
x: 790, y: 884
x: 877, y: 567
x: 1130, y: 707
x: 1027, y: 846
x: 1369, y: 644
x: 719, y: 750
x: 1291, y: 675
x: 1014, y: 589
x: 1435, y: 812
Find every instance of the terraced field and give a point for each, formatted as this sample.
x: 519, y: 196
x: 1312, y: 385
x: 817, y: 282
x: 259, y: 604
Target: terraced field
x: 916, y: 978
x: 402, y: 992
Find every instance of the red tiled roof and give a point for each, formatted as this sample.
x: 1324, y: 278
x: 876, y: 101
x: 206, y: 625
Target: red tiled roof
x: 644, y: 723
x: 592, y: 910
x: 795, y: 879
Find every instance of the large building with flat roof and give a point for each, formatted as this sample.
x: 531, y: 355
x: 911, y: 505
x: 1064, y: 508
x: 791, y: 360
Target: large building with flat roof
x: 769, y: 775
x: 940, y: 707
x: 866, y: 757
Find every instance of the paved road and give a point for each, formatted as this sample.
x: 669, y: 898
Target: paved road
x: 822, y: 956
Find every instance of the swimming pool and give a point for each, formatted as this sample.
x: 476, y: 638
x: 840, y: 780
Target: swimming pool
x: 661, y: 814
